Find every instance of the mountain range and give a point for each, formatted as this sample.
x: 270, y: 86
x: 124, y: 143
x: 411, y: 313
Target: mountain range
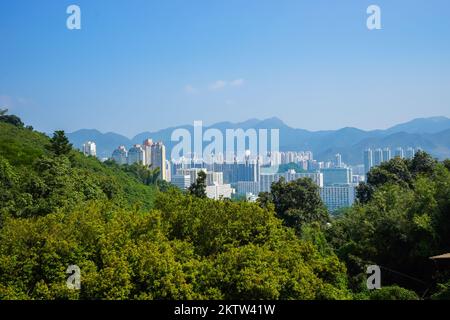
x: 430, y: 134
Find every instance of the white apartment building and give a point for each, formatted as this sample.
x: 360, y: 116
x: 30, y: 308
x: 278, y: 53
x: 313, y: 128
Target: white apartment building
x: 339, y: 196
x: 266, y: 179
x: 219, y: 191
x: 90, y: 149
x: 120, y: 155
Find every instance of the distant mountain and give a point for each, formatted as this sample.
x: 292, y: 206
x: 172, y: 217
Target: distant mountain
x: 422, y: 125
x: 431, y: 134
x: 106, y: 142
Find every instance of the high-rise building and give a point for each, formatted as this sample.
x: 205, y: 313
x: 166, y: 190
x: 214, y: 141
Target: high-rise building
x: 90, y: 149
x: 192, y: 173
x: 399, y: 153
x: 136, y: 155
x: 387, y: 154
x: 213, y: 178
x: 368, y: 160
x: 168, y: 170
x: 182, y: 181
x: 267, y: 179
x: 120, y: 155
x: 377, y: 157
x: 314, y: 165
x: 334, y: 176
x: 358, y: 169
x: 239, y: 171
x: 291, y: 175
x: 219, y: 191
x: 338, y: 160
x: 245, y: 187
x: 147, y: 146
x: 410, y: 153
x: 337, y: 197
x: 155, y: 157
x: 158, y: 158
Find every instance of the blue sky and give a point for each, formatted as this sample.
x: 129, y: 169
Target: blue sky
x: 141, y: 65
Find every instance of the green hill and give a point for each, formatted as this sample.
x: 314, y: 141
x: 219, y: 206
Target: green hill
x: 78, y: 178
x: 59, y: 208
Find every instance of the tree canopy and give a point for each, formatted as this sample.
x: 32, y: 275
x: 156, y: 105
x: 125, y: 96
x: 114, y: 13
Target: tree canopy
x: 134, y: 237
x: 296, y: 203
x: 198, y: 188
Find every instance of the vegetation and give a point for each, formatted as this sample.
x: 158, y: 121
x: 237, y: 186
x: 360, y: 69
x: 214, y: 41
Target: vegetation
x: 198, y: 188
x: 296, y: 203
x: 135, y: 238
x: 11, y: 119
x: 402, y: 219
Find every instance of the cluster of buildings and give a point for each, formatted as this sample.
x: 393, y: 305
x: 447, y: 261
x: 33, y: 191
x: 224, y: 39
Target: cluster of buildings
x: 304, y: 159
x: 248, y: 178
x: 152, y: 154
x: 373, y: 158
x: 215, y: 187
x: 336, y: 181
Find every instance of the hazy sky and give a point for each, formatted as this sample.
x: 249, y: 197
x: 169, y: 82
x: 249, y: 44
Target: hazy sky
x: 139, y: 65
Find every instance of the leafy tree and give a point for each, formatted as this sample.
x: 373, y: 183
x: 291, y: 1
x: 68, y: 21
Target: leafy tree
x: 8, y: 186
x: 11, y: 119
x: 59, y: 208
x: 442, y: 292
x: 422, y: 163
x: 265, y: 200
x: 144, y: 174
x: 399, y: 227
x: 396, y: 171
x: 190, y: 248
x: 447, y: 164
x: 198, y: 188
x: 364, y: 192
x: 297, y: 202
x: 59, y: 144
x: 393, y: 293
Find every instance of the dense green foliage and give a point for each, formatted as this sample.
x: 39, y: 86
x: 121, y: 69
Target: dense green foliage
x: 388, y: 293
x: 41, y: 175
x: 402, y: 221
x: 60, y: 208
x: 198, y: 188
x: 134, y: 237
x: 11, y: 119
x: 296, y: 202
x: 59, y: 144
x: 187, y: 248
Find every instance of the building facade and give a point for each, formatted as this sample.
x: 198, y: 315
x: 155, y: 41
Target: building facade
x: 90, y: 149
x: 338, y: 197
x: 120, y: 155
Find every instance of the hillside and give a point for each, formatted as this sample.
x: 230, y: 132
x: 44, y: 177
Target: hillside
x: 23, y: 149
x: 59, y: 208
